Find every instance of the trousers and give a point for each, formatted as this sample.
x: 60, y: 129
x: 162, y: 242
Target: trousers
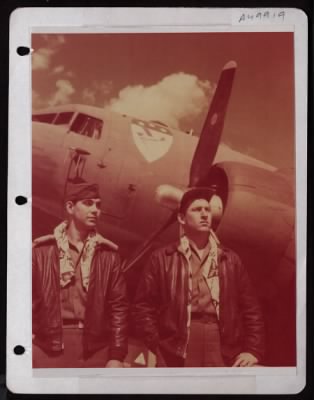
x: 203, y: 350
x: 72, y: 355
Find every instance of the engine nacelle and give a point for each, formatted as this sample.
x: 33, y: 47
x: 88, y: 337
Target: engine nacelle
x: 258, y: 208
x: 258, y: 223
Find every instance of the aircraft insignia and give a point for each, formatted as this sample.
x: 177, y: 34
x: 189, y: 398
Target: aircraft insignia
x: 152, y: 139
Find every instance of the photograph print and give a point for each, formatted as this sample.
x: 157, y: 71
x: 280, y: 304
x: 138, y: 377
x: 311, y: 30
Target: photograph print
x: 163, y: 200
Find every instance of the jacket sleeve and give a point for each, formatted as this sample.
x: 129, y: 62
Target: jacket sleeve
x: 119, y: 305
x: 145, y: 306
x: 253, y: 323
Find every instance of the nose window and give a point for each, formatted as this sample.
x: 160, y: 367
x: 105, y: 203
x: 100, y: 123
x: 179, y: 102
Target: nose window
x: 87, y: 126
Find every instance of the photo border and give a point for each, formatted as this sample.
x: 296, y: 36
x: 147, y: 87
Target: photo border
x: 20, y: 376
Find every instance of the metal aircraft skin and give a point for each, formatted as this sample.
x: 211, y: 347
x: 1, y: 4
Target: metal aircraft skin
x: 141, y: 165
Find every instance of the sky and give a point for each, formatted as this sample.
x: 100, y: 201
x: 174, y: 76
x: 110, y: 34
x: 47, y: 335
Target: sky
x: 171, y: 77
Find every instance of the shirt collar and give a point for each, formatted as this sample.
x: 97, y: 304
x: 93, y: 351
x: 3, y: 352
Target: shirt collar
x: 213, y: 242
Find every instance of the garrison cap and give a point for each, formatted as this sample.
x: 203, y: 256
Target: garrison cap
x: 81, y: 191
x: 193, y: 194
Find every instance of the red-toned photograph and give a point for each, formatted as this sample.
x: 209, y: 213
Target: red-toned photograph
x: 163, y: 200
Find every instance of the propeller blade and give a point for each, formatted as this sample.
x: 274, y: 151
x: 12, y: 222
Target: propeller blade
x: 142, y: 250
x: 204, y: 154
x: 211, y: 133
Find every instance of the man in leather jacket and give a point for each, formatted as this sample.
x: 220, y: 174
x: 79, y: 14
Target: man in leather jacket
x: 195, y: 306
x: 80, y: 307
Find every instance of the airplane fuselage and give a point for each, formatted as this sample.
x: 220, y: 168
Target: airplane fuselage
x: 129, y: 158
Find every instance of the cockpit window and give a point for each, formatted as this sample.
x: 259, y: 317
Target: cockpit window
x: 63, y: 118
x: 87, y: 126
x: 46, y: 118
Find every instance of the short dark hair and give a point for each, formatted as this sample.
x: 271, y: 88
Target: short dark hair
x: 192, y: 194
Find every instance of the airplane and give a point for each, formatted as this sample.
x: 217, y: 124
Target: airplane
x: 143, y: 167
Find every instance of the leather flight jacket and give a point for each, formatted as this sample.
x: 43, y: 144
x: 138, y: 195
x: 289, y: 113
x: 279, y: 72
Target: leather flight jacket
x: 160, y: 312
x: 106, y: 313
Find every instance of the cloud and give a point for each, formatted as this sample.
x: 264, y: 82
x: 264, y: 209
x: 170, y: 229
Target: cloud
x: 53, y: 39
x: 60, y: 39
x: 89, y: 96
x: 69, y: 74
x: 97, y: 92
x: 63, y: 94
x: 58, y: 69
x: 103, y: 87
x: 37, y: 101
x: 175, y: 98
x: 41, y: 58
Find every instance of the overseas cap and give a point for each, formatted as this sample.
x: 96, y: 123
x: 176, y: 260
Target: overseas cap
x: 81, y: 191
x: 195, y: 193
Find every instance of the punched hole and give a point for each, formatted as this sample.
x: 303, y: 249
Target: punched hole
x: 23, y: 51
x: 19, y: 350
x: 20, y: 200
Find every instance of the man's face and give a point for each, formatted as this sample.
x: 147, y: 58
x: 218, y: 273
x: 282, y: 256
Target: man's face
x: 85, y: 213
x: 197, y: 217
